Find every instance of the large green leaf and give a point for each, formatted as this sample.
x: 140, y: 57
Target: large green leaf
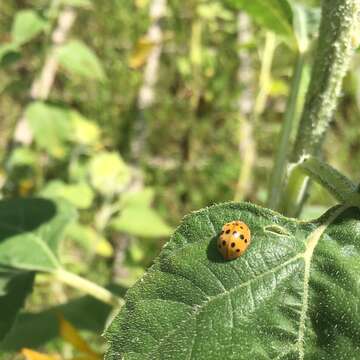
x: 14, y: 287
x: 295, y: 293
x: 27, y: 24
x: 46, y: 323
x: 30, y: 231
x: 274, y: 15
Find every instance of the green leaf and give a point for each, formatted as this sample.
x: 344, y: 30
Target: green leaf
x: 9, y: 54
x: 89, y: 239
x: 274, y: 15
x: 14, y: 287
x: 31, y: 230
x: 79, y: 59
x: 46, y: 324
x: 294, y: 294
x: 86, y: 132
x: 142, y: 221
x: 50, y: 125
x: 338, y: 185
x: 108, y: 173
x: 23, y: 156
x: 80, y: 195
x: 142, y: 198
x: 27, y: 25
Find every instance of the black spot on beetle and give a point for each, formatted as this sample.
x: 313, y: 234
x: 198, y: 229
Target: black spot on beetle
x: 232, y: 244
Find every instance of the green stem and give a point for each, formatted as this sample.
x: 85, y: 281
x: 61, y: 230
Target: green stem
x: 277, y: 175
x: 339, y: 25
x: 88, y: 287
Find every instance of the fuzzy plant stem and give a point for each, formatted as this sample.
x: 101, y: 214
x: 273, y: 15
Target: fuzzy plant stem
x: 338, y: 29
x: 276, y: 178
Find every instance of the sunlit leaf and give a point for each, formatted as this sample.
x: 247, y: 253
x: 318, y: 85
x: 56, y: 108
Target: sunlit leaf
x: 141, y: 220
x: 86, y: 132
x: 50, y: 125
x: 143, y: 197
x: 294, y: 294
x: 27, y: 24
x: 80, y: 195
x: 108, y: 173
x: 78, y: 59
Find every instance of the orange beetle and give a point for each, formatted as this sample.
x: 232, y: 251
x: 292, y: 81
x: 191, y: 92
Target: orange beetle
x: 234, y: 239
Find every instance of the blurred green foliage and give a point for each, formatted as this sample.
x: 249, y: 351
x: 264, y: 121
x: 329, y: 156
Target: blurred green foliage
x: 83, y: 133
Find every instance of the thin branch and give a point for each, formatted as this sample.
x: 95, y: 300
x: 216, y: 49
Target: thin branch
x: 42, y: 85
x: 245, y: 77
x: 88, y: 287
x: 146, y: 96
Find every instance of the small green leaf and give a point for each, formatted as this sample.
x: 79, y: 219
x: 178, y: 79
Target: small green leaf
x: 14, y: 287
x: 27, y: 24
x: 23, y: 156
x: 51, y: 126
x: 142, y: 221
x: 31, y: 230
x: 9, y: 53
x: 89, y: 239
x: 86, y: 132
x: 79, y: 59
x: 274, y: 15
x: 294, y: 294
x: 108, y: 173
x: 139, y: 198
x: 80, y: 195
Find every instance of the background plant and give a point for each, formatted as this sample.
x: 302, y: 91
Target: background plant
x: 77, y: 127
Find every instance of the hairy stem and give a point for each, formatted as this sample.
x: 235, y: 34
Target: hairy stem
x: 339, y: 25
